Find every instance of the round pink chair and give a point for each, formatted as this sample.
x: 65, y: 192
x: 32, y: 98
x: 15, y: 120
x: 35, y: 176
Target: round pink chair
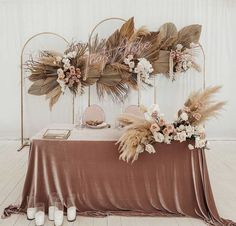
x: 93, y: 113
x: 135, y: 110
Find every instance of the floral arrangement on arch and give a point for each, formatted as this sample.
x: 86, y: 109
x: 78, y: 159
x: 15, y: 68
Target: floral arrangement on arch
x: 115, y: 64
x: 141, y: 133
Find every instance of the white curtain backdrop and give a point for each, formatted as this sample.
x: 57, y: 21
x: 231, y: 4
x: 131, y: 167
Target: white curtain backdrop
x: 74, y: 19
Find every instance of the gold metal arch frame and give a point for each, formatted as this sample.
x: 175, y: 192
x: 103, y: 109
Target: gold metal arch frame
x: 25, y: 142
x: 89, y: 44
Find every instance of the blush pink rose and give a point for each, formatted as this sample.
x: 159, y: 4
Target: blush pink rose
x: 197, y: 116
x: 161, y: 122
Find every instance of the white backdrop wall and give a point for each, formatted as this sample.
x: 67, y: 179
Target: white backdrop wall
x: 74, y: 19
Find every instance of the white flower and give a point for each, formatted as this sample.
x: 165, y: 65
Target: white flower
x: 150, y: 149
x: 65, y: 61
x: 179, y: 46
x: 182, y: 136
x: 159, y: 137
x: 136, y: 70
x: 167, y: 139
x: 189, y: 130
x: 180, y: 128
x: 199, y: 129
x: 66, y: 66
x: 184, y: 116
x: 140, y: 149
x: 200, y: 143
x: 60, y: 72
x: 190, y: 147
x: 131, y: 64
x: 62, y: 85
x: 154, y: 108
x: 126, y: 61
x: 130, y: 57
x: 184, y: 65
x: 71, y: 54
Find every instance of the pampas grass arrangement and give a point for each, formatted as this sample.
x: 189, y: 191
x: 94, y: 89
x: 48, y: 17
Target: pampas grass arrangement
x: 140, y: 134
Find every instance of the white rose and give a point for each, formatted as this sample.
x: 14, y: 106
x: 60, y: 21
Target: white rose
x: 159, y: 137
x: 179, y: 46
x: 130, y: 57
x: 139, y: 149
x: 189, y: 130
x: 182, y: 136
x: 167, y: 139
x: 190, y: 147
x: 62, y: 85
x: 200, y: 143
x: 154, y: 108
x: 126, y: 61
x: 131, y: 64
x: 60, y: 72
x: 150, y: 149
x: 66, y: 61
x: 180, y: 128
x: 184, y: 116
x: 199, y: 129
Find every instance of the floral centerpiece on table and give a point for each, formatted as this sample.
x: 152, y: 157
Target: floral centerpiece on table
x: 142, y: 133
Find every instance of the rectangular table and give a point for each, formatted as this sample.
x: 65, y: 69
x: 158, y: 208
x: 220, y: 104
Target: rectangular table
x: 172, y: 182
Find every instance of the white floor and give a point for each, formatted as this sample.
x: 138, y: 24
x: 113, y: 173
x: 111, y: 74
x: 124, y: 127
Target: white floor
x: 221, y: 164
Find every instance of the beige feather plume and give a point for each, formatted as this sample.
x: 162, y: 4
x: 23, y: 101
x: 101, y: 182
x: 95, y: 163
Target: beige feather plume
x: 202, y: 105
x: 137, y: 133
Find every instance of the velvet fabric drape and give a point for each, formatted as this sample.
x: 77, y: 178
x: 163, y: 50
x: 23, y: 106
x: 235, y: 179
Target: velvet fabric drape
x: 172, y: 182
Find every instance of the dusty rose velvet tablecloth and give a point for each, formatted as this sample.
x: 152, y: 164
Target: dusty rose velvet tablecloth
x: 172, y: 182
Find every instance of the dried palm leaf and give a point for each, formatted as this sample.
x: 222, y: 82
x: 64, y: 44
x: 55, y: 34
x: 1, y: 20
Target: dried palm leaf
x: 43, y: 86
x: 153, y: 41
x: 168, y: 30
x: 189, y: 34
x: 127, y: 29
x: 139, y: 33
x: 118, y: 92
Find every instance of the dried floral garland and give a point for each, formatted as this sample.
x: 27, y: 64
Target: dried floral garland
x: 140, y: 133
x: 115, y: 63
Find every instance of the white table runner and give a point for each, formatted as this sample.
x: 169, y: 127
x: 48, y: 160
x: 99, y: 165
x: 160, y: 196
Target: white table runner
x: 106, y: 134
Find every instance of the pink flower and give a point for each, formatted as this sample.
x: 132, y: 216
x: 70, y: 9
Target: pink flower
x: 166, y: 131
x: 197, y: 116
x: 155, y: 128
x: 161, y: 122
x: 154, y: 114
x: 170, y: 128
